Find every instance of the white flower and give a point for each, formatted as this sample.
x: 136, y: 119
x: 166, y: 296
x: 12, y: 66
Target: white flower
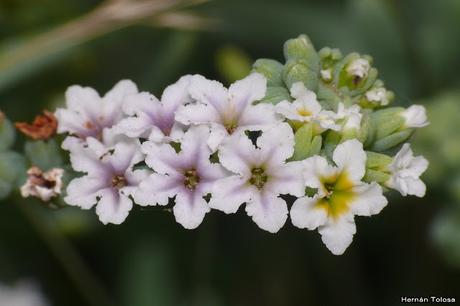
x: 188, y: 176
x: 154, y: 119
x: 378, y: 96
x: 259, y: 175
x: 228, y: 111
x: 415, y: 116
x: 43, y: 185
x: 87, y: 114
x: 305, y: 108
x: 359, y: 68
x: 349, y: 118
x: 405, y: 172
x: 341, y: 194
x: 22, y: 294
x: 109, y: 180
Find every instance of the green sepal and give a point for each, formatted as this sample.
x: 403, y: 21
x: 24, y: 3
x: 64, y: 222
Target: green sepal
x: 43, y: 154
x: 301, y: 48
x: 376, y: 176
x: 300, y: 71
x: 391, y: 141
x: 306, y: 144
x: 331, y: 141
x: 271, y: 69
x: 274, y: 95
x: 377, y: 161
x: 7, y: 133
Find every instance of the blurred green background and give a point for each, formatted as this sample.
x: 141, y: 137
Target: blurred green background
x: 411, y: 249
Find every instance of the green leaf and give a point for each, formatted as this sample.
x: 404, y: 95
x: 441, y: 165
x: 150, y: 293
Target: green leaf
x: 43, y: 154
x: 12, y: 172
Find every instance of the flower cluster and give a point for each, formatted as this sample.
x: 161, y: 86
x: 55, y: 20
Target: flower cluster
x: 316, y: 128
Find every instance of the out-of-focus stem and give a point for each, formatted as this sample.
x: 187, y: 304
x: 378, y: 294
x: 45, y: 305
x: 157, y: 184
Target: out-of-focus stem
x: 109, y: 16
x: 69, y: 259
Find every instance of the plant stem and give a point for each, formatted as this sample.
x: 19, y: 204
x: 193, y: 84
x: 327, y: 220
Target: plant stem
x: 71, y: 262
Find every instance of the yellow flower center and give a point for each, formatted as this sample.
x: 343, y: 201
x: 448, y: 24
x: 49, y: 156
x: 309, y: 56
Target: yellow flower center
x: 303, y: 112
x: 339, y: 194
x: 191, y: 179
x: 258, y: 178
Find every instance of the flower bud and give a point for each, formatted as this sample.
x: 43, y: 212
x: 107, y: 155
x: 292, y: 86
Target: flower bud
x: 414, y: 117
x: 356, y: 74
x: 300, y: 71
x: 376, y: 97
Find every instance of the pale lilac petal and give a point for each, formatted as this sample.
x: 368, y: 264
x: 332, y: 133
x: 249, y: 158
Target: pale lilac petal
x: 125, y: 155
x: 113, y: 207
x: 157, y: 189
x: 209, y: 92
x: 176, y: 94
x: 134, y: 126
x: 190, y: 209
x: 197, y: 113
x: 162, y: 158
x: 83, y: 191
x: 237, y: 153
x: 244, y: 92
x: 218, y: 134
x: 306, y: 214
x: 268, y: 211
x: 229, y: 193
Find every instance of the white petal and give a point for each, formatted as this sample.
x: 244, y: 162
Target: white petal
x: 113, y: 207
x: 228, y: 194
x: 276, y: 144
x: 190, y: 209
x: 337, y: 235
x: 287, y: 110
x: 257, y: 117
x: 268, y: 211
x: 143, y: 102
x: 86, y: 160
x: 72, y: 122
x: 351, y: 157
x: 218, y: 134
x: 415, y: 116
x: 248, y: 90
x: 176, y: 94
x: 314, y: 168
x: 83, y: 191
x: 369, y: 200
x: 83, y: 100
x: 305, y: 213
x: 286, y: 179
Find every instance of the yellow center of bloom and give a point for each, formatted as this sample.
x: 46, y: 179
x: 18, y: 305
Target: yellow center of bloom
x: 339, y: 194
x: 303, y: 112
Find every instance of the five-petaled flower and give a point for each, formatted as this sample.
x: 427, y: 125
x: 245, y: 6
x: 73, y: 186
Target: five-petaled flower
x: 341, y: 194
x: 260, y: 174
x: 109, y: 180
x: 305, y: 108
x: 405, y: 172
x: 186, y: 176
x: 229, y: 111
x: 154, y: 119
x: 88, y: 115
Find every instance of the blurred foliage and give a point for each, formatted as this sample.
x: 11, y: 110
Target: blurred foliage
x: 150, y: 260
